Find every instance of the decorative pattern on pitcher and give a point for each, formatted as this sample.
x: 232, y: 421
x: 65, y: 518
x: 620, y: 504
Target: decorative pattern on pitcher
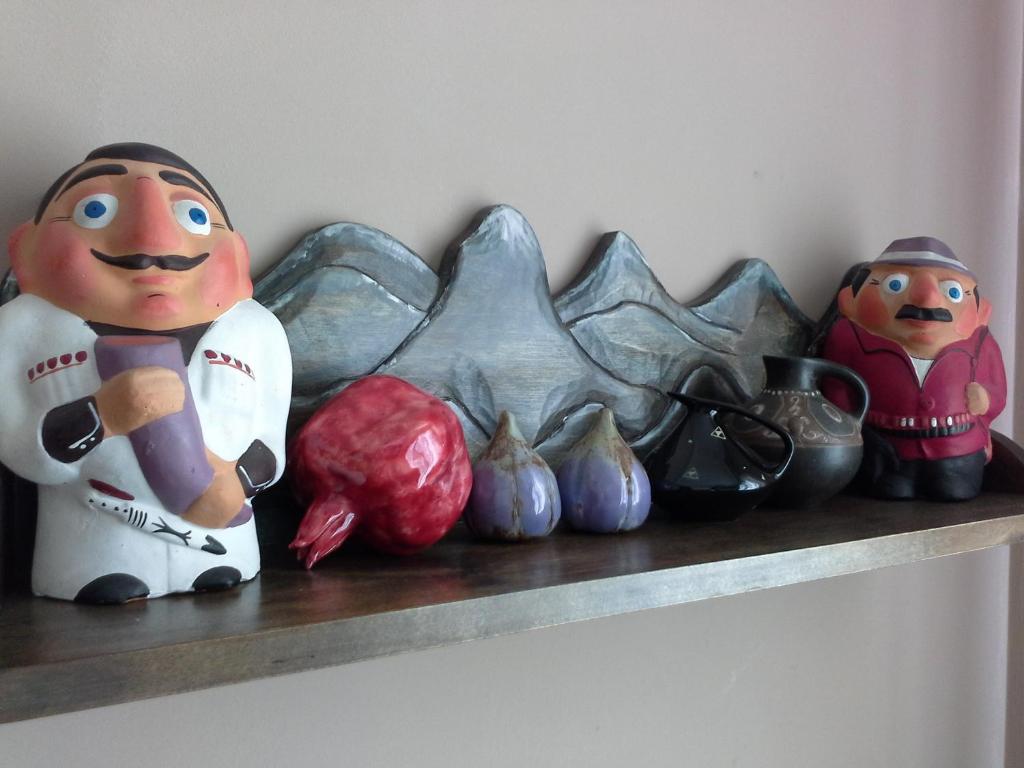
x: 802, y: 418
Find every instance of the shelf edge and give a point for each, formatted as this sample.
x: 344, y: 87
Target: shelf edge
x: 135, y: 675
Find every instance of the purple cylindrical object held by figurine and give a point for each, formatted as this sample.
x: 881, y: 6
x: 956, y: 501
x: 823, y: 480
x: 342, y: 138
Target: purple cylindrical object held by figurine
x: 170, y: 450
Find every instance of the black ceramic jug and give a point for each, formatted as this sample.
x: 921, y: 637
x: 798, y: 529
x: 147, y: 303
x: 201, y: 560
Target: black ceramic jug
x: 704, y: 471
x: 829, y: 446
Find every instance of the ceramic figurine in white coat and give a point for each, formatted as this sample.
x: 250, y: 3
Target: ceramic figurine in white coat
x: 145, y: 392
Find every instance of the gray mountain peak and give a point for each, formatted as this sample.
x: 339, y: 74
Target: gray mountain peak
x: 501, y: 258
x: 347, y: 296
x: 615, y: 272
x: 626, y: 320
x: 493, y: 342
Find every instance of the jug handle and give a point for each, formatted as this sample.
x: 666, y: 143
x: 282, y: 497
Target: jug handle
x: 851, y: 377
x: 775, y: 470
x: 714, y: 406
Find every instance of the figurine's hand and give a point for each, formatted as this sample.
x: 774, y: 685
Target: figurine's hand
x: 134, y: 398
x: 222, y: 499
x: 977, y: 399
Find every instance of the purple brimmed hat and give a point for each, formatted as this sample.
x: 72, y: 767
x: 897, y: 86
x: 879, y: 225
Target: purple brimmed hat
x: 922, y: 252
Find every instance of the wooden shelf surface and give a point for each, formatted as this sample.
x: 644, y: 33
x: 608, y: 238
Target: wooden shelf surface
x: 58, y: 657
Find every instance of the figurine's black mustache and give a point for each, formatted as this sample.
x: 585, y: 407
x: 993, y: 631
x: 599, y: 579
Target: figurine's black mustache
x: 912, y: 312
x: 145, y: 261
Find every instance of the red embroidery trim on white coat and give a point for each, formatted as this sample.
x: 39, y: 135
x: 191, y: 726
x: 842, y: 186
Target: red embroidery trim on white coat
x: 221, y: 358
x: 56, y: 365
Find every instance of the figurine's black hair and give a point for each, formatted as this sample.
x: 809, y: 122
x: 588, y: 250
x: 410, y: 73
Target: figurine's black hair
x: 50, y: 193
x: 131, y: 150
x: 859, y: 279
x: 855, y: 277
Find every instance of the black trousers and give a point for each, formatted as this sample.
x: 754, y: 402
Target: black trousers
x: 885, y: 475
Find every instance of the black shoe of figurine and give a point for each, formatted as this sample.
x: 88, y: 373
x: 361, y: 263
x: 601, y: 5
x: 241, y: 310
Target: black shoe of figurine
x: 215, y: 579
x: 112, y: 589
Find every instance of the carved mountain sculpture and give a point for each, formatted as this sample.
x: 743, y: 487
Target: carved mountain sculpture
x: 486, y: 335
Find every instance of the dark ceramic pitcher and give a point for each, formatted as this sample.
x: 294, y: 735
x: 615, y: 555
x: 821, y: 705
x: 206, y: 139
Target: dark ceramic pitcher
x: 704, y: 471
x: 828, y: 440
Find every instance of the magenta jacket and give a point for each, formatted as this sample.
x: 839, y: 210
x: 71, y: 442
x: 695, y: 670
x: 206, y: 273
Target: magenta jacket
x: 927, y: 421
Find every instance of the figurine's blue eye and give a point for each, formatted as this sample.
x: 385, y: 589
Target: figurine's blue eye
x: 193, y: 216
x: 95, y: 211
x: 896, y: 283
x: 952, y: 290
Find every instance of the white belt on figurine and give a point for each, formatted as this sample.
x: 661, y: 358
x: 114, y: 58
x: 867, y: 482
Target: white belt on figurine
x: 916, y: 427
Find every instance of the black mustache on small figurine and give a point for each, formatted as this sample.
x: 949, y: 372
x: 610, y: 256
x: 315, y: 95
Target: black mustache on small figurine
x: 145, y: 261
x: 912, y: 312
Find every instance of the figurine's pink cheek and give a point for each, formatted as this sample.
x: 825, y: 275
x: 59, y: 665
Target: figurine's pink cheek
x: 871, y: 311
x: 967, y: 322
x: 63, y: 266
x: 222, y: 283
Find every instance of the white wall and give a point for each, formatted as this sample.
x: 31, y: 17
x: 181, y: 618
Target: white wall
x: 807, y: 133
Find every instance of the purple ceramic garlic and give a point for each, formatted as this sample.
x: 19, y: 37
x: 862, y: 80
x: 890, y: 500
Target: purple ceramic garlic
x: 515, y: 494
x: 604, y: 487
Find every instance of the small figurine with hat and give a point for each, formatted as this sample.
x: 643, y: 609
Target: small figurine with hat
x: 915, y: 327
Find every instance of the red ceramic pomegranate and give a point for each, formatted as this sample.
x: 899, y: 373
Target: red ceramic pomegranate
x: 384, y: 460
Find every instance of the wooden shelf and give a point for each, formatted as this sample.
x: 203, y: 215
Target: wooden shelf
x: 58, y: 657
